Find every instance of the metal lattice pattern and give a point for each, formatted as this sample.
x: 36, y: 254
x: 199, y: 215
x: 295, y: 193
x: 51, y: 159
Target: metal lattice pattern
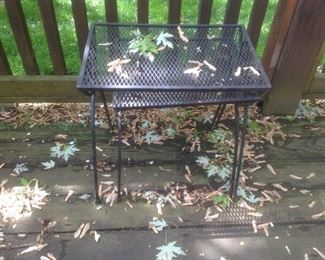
x: 148, y: 99
x: 227, y: 48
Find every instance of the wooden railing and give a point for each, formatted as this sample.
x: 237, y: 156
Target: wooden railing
x: 61, y: 87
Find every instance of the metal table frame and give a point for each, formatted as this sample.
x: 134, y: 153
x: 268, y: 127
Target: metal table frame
x: 239, y: 134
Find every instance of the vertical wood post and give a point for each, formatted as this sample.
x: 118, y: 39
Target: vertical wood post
x: 297, y: 62
x: 4, y: 64
x: 81, y: 23
x: 232, y: 11
x: 111, y: 11
x: 256, y: 20
x: 18, y: 24
x: 143, y: 11
x: 174, y: 12
x: 52, y: 36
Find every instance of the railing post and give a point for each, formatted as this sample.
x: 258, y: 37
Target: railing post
x: 297, y: 61
x: 4, y: 64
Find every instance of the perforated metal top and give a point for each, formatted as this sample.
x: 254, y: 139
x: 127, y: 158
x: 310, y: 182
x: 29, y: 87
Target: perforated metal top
x: 222, y: 55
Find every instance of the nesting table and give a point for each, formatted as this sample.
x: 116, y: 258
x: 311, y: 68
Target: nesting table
x: 156, y: 66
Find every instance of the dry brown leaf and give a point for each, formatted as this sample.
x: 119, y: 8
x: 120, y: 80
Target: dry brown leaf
x: 70, y: 192
x: 306, y: 257
x: 288, y: 249
x: 293, y: 206
x: 32, y: 248
x: 318, y: 215
x: 96, y: 235
x: 182, y: 35
x: 209, y: 65
x: 311, y: 175
x: 129, y: 204
x: 1, y: 165
x: 295, y: 177
x: 271, y: 169
x: 251, y: 170
x: 78, y: 232
x: 255, y: 214
x: 312, y: 204
x: 254, y: 226
x: 322, y: 255
x: 188, y: 177
x: 262, y: 184
x: 280, y: 187
x: 60, y: 137
x: 84, y: 230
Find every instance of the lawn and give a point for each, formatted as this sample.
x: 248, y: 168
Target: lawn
x: 158, y: 13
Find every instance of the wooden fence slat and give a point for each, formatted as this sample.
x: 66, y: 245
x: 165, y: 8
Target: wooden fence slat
x: 205, y: 9
x: 174, y: 12
x: 21, y: 34
x: 111, y: 11
x: 256, y: 20
x: 298, y: 60
x: 232, y: 11
x: 279, y: 29
x: 4, y: 64
x: 79, y: 12
x: 52, y: 36
x: 143, y: 11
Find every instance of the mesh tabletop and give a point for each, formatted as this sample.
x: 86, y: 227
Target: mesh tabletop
x: 221, y: 58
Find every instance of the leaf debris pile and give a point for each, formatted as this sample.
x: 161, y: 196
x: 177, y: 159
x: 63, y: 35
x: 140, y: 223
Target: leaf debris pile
x: 18, y: 202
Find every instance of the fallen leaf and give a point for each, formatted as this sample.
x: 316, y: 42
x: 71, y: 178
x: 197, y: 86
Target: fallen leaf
x: 319, y: 252
x: 288, y: 250
x: 271, y: 169
x: 60, y: 137
x: 318, y: 215
x: 182, y: 35
x: 280, y: 187
x: 37, y: 247
x: 78, y: 232
x: 96, y: 235
x: 238, y: 72
x: 295, y: 177
x: 311, y: 175
x: 312, y: 204
x: 293, y: 206
x: 84, y: 230
x: 306, y: 257
x: 70, y: 192
x: 210, y: 66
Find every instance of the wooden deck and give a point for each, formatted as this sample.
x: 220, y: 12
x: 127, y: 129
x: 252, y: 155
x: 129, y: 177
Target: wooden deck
x: 295, y: 156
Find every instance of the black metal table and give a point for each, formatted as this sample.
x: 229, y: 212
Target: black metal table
x: 154, y: 66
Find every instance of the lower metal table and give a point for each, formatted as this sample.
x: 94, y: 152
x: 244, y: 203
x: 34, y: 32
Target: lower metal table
x: 155, y: 66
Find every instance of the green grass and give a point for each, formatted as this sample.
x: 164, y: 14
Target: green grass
x: 158, y: 13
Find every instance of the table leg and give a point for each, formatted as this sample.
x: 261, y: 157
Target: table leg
x: 241, y: 151
x: 119, y: 153
x: 218, y: 114
x: 106, y: 110
x: 235, y: 161
x: 93, y: 144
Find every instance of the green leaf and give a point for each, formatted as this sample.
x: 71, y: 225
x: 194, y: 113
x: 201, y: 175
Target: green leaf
x: 25, y: 181
x: 203, y: 161
x: 221, y: 200
x: 163, y: 39
x: 169, y: 251
x: 159, y: 224
x: 20, y: 168
x: 151, y: 137
x: 48, y: 165
x: 64, y: 151
x: 212, y: 170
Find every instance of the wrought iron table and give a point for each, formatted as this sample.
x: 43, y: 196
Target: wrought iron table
x: 190, y: 65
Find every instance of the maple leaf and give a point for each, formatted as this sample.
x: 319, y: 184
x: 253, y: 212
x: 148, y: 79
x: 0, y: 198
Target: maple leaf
x: 158, y: 224
x: 224, y: 172
x: 64, y: 151
x: 48, y: 165
x: 170, y: 132
x: 151, y: 137
x: 250, y: 197
x: 20, y: 168
x: 163, y: 39
x: 203, y: 161
x: 167, y: 252
x: 212, y: 170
